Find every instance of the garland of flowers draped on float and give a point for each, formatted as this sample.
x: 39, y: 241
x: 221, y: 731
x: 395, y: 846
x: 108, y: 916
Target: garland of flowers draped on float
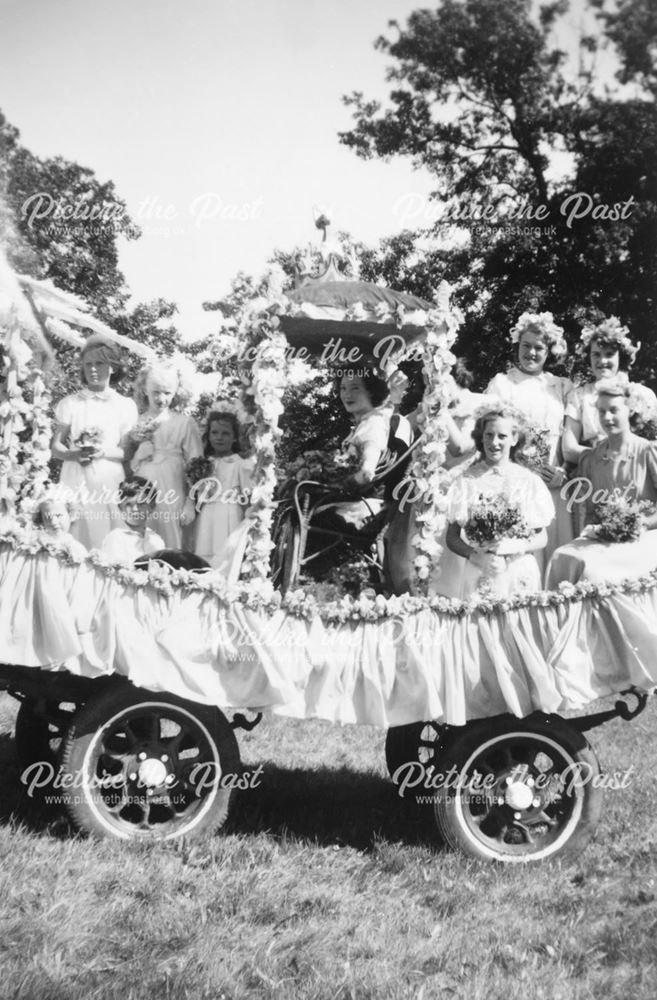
x: 24, y: 419
x: 162, y: 579
x: 428, y: 475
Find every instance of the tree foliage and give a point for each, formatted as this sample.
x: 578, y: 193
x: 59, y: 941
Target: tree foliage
x: 509, y: 124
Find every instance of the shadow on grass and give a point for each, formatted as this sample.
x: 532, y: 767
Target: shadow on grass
x: 324, y: 806
x: 328, y: 806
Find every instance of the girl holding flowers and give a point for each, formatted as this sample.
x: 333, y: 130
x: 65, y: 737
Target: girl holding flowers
x: 162, y: 444
x: 497, y: 514
x: 541, y: 397
x: 90, y: 435
x: 611, y: 354
x: 220, y: 495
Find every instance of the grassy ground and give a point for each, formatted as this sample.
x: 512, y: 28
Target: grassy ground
x: 324, y: 884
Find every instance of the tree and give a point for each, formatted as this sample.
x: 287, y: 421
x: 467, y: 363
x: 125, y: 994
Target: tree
x: 58, y: 221
x: 487, y: 100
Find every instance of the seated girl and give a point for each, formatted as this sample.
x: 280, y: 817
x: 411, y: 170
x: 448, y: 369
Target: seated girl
x: 53, y: 515
x: 613, y: 497
x: 363, y: 396
x: 134, y: 538
x: 497, y: 515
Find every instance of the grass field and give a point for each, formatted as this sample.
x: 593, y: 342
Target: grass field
x: 324, y: 884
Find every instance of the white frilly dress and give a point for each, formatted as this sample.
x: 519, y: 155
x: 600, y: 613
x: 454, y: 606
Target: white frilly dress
x: 518, y: 486
x: 542, y: 398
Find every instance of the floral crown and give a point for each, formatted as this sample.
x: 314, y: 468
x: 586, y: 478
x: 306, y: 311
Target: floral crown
x: 610, y: 331
x: 544, y: 324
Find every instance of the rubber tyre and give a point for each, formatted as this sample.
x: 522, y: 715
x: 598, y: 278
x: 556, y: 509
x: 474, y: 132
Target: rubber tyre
x: 478, y: 824
x: 38, y: 738
x: 107, y: 789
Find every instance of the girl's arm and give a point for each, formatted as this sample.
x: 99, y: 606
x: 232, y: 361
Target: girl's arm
x: 484, y: 560
x: 570, y: 441
x: 458, y: 443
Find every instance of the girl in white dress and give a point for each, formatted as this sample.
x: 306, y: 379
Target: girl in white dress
x: 610, y: 353
x: 54, y: 516
x: 90, y: 436
x: 541, y: 397
x: 221, y: 501
x: 508, y: 566
x: 165, y: 441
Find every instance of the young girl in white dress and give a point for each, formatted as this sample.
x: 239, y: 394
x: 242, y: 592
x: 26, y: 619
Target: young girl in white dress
x: 222, y: 501
x: 163, y: 442
x: 53, y: 516
x: 508, y: 566
x: 541, y: 396
x: 90, y: 435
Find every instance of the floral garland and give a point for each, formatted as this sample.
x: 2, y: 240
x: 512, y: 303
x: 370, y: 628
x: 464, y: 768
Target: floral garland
x: 610, y: 331
x: 260, y: 595
x: 264, y: 398
x: 544, y: 324
x: 428, y: 475
x: 24, y: 403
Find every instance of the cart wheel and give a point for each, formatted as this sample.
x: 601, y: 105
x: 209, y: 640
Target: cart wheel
x: 520, y: 790
x: 143, y: 765
x: 39, y: 730
x: 417, y: 743
x: 287, y: 553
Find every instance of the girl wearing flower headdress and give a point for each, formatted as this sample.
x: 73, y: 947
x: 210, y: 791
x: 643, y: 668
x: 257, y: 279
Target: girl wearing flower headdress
x: 497, y: 513
x: 541, y: 396
x: 611, y: 354
x: 90, y: 436
x: 162, y: 444
x: 222, y: 499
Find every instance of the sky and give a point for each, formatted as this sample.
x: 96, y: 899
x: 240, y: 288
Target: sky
x: 216, y: 120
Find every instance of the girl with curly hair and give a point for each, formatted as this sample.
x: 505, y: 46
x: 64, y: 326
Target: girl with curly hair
x: 162, y: 443
x: 541, y: 397
x: 611, y: 354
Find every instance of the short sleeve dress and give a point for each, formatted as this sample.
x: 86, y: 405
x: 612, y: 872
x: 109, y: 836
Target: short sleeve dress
x: 581, y: 406
x: 372, y: 429
x: 542, y: 398
x: 94, y: 486
x: 219, y: 517
x: 518, y: 486
x: 600, y: 474
x: 176, y: 441
x: 125, y: 546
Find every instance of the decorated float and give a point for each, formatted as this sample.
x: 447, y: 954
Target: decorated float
x: 132, y: 681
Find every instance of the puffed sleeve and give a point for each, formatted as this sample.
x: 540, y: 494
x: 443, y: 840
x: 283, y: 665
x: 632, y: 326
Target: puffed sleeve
x: 498, y: 386
x: 191, y: 445
x: 540, y: 506
x: 128, y: 414
x: 458, y: 500
x: 64, y: 411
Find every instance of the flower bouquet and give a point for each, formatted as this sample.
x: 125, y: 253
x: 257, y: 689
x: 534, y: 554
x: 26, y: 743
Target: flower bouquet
x: 198, y: 469
x: 144, y: 430
x: 320, y: 466
x: 534, y: 453
x: 494, y: 520
x: 620, y: 519
x: 88, y: 441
